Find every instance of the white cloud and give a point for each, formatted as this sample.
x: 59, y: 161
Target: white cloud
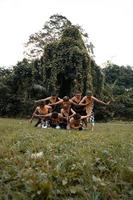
x: 108, y: 23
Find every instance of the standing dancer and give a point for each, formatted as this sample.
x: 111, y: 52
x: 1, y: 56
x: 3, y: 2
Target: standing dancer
x: 88, y: 102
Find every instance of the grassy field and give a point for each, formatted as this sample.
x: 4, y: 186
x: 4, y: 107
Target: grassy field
x: 38, y: 164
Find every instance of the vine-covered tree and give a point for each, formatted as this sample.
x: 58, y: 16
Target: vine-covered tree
x: 66, y: 64
x: 62, y: 59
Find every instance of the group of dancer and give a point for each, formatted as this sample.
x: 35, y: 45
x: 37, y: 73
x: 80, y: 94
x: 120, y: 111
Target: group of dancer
x: 67, y: 113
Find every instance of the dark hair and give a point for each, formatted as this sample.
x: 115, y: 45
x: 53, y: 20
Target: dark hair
x: 53, y: 94
x: 54, y: 115
x: 42, y: 103
x: 77, y: 116
x: 78, y: 93
x: 66, y: 98
x: 89, y: 93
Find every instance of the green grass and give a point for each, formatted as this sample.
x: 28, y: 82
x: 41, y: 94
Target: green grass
x: 75, y: 165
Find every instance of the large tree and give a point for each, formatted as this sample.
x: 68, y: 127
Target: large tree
x: 51, y: 31
x: 67, y: 64
x: 63, y: 58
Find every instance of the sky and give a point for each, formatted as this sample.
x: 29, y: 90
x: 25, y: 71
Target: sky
x: 107, y: 22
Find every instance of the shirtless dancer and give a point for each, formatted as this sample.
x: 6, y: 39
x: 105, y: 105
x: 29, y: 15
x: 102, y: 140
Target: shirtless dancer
x: 88, y: 102
x: 54, y: 119
x: 42, y: 109
x: 76, y: 122
x: 75, y: 101
x: 66, y: 111
x: 52, y: 100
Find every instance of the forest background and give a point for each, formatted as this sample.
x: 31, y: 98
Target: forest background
x: 60, y: 58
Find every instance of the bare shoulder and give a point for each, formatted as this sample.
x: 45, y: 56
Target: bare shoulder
x: 47, y: 106
x: 60, y: 115
x: 84, y: 98
x: 72, y: 98
x: 71, y: 119
x: 94, y: 98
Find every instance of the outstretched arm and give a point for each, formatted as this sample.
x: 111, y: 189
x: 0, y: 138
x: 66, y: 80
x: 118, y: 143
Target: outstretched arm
x: 101, y: 102
x: 42, y: 116
x: 38, y: 101
x: 56, y: 103
x: 33, y: 115
x: 85, y: 117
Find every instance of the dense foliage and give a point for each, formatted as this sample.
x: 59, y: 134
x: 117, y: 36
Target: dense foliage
x: 63, y: 64
x: 118, y: 86
x: 67, y: 64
